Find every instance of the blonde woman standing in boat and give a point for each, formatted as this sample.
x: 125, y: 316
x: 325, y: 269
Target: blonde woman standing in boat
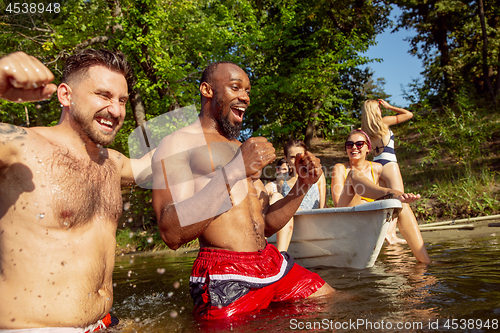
x: 382, y: 138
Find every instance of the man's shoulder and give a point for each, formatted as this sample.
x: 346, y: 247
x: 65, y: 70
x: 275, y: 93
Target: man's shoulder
x: 117, y: 157
x: 11, y: 132
x: 16, y: 139
x: 180, y: 141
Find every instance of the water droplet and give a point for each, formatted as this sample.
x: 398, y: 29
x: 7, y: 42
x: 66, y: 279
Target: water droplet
x: 126, y: 206
x: 173, y: 314
x: 39, y: 161
x: 160, y: 270
x: 98, y: 145
x: 25, y: 69
x: 35, y: 85
x: 137, y: 319
x: 36, y: 204
x: 38, y: 106
x: 40, y: 216
x: 150, y: 240
x: 19, y: 99
x: 130, y: 235
x: 170, y: 294
x: 37, y: 70
x: 177, y: 284
x: 130, y: 220
x: 134, y: 286
x: 114, y: 285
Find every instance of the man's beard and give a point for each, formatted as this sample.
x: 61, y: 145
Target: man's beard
x: 103, y: 139
x: 232, y: 131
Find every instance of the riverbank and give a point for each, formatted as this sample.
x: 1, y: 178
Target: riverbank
x: 483, y: 228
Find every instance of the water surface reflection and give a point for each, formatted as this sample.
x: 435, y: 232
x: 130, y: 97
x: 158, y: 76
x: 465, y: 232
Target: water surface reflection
x: 152, y: 294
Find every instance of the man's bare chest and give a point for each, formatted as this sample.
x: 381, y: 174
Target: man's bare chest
x: 68, y: 190
x: 215, y: 155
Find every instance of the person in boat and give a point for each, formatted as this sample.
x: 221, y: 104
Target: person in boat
x: 382, y: 137
x: 203, y: 187
x: 314, y: 199
x: 60, y: 194
x: 281, y: 176
x: 357, y: 147
x: 358, y: 181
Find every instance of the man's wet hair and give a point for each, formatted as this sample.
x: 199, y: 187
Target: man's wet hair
x: 209, y: 71
x: 78, y: 64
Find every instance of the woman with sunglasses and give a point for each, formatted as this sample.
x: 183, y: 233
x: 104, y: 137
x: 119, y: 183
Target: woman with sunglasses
x: 378, y: 129
x: 357, y: 182
x: 357, y: 147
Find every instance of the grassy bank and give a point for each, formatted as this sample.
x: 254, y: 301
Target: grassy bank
x: 450, y: 156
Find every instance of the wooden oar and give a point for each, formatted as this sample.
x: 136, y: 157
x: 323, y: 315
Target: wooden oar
x: 444, y: 227
x: 479, y: 218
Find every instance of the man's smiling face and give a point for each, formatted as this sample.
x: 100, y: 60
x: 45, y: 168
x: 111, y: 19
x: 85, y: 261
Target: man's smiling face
x: 231, y: 98
x: 98, y: 104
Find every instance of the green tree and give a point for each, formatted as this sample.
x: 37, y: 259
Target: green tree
x: 298, y: 54
x: 459, y: 43
x: 306, y: 51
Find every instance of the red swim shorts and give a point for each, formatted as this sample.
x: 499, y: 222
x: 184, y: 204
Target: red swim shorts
x: 225, y: 283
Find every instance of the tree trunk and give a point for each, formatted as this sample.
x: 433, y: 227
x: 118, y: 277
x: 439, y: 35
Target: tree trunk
x: 486, y: 73
x: 311, y: 125
x: 497, y: 85
x: 138, y: 108
x: 441, y: 37
x: 136, y: 102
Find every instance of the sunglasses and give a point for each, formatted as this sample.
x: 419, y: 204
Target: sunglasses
x: 350, y: 144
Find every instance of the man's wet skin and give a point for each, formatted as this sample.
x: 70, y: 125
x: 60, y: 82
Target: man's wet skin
x: 60, y: 194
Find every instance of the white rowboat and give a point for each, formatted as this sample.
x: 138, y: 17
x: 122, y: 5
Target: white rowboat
x: 341, y: 237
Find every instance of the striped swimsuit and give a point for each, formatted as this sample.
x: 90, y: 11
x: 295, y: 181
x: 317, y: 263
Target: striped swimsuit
x: 388, y: 153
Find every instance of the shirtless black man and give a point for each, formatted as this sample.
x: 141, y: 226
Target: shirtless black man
x: 203, y: 188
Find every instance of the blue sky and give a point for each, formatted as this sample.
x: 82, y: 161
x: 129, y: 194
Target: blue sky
x: 398, y: 66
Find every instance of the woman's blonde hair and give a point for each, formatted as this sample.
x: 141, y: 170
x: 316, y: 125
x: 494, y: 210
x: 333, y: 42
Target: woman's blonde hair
x: 371, y: 120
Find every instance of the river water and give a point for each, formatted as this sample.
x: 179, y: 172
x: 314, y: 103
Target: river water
x: 459, y: 292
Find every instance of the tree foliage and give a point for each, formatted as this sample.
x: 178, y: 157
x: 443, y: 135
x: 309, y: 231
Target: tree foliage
x: 301, y: 56
x: 457, y: 55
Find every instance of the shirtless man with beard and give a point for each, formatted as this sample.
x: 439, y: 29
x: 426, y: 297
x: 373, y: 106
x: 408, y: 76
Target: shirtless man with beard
x: 60, y: 195
x: 203, y: 187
